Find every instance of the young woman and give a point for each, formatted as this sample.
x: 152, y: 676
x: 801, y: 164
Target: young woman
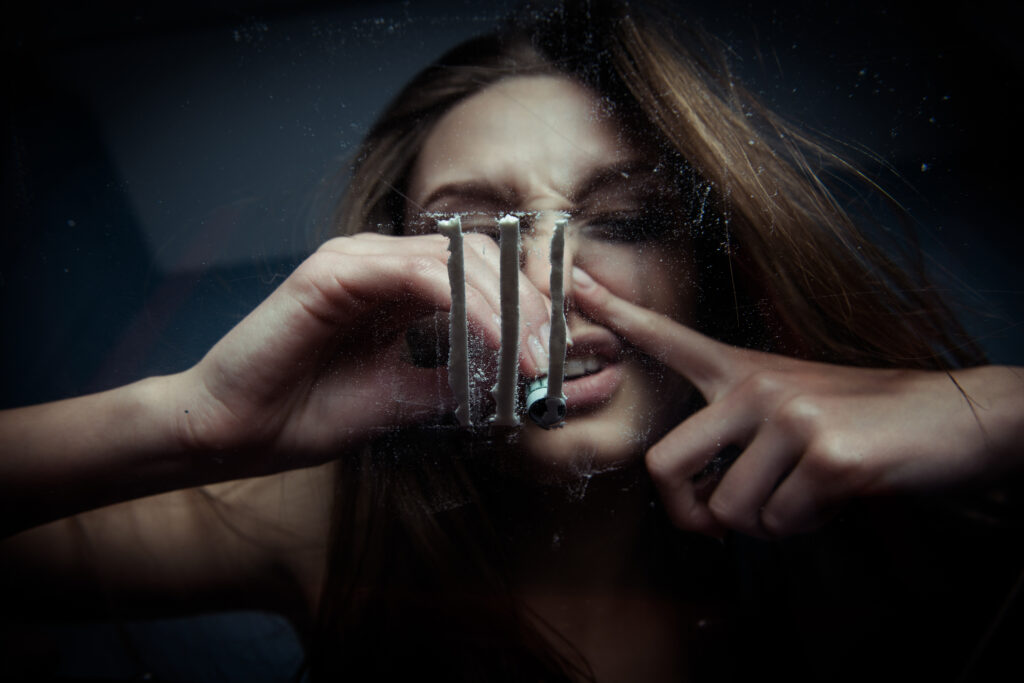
x: 745, y: 365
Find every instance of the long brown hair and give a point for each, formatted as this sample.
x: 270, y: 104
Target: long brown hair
x: 788, y: 245
x: 783, y: 266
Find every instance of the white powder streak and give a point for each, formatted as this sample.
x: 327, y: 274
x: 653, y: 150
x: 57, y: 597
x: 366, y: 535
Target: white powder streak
x: 458, y: 332
x: 508, y: 368
x: 556, y: 342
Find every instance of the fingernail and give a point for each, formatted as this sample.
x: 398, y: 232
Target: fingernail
x: 538, y: 353
x: 568, y: 336
x: 581, y: 279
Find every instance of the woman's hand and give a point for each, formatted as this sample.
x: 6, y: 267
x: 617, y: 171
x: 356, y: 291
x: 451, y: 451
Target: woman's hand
x: 317, y: 368
x: 320, y: 365
x: 811, y: 435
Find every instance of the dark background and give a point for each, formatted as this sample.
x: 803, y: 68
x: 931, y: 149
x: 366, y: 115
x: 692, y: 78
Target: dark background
x: 164, y: 168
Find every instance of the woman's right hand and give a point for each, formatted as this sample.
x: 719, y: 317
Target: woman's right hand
x: 810, y: 436
x: 319, y: 366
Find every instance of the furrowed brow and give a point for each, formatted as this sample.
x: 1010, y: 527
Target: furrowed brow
x: 484, y: 195
x: 606, y: 176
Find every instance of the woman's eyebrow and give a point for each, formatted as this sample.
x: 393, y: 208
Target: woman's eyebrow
x: 487, y: 195
x: 602, y: 177
x: 480, y: 193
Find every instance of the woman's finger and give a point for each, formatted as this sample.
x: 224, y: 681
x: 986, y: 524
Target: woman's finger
x: 373, y: 396
x: 705, y: 362
x: 534, y: 307
x: 482, y: 273
x: 481, y: 262
x: 681, y: 462
x: 739, y: 498
x: 400, y: 393
x: 812, y: 493
x: 335, y: 289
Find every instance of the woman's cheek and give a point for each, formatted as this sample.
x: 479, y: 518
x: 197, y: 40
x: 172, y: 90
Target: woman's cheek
x: 614, y: 266
x: 644, y: 274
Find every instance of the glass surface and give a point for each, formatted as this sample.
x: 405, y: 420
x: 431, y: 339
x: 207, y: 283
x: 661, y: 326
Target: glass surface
x: 166, y: 168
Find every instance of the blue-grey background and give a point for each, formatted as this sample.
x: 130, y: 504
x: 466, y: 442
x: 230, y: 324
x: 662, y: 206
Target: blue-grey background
x: 166, y: 167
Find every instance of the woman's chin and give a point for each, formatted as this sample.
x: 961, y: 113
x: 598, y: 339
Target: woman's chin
x: 613, y: 417
x: 581, y: 446
x: 604, y: 436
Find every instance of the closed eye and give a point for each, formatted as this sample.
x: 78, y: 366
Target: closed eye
x: 629, y: 226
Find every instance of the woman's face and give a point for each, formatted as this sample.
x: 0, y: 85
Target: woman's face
x: 547, y: 145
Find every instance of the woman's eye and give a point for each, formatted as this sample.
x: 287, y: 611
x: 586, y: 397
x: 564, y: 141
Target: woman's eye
x: 629, y: 227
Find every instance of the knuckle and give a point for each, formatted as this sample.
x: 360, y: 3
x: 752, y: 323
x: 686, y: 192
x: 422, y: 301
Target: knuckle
x: 830, y: 460
x: 762, y: 385
x: 661, y: 464
x: 800, y: 414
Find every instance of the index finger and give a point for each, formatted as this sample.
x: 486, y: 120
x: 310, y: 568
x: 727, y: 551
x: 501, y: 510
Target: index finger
x: 700, y: 359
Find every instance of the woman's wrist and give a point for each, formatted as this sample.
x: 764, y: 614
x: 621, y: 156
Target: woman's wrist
x: 174, y: 440
x: 77, y: 454
x: 157, y: 444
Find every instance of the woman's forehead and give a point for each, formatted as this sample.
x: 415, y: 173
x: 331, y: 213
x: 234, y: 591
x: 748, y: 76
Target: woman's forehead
x: 535, y: 139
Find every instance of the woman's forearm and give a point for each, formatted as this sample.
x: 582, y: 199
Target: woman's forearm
x: 995, y: 396
x: 60, y: 458
x: 289, y: 387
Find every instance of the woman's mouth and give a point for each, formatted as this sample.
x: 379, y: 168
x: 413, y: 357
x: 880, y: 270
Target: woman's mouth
x: 593, y: 371
x: 581, y: 367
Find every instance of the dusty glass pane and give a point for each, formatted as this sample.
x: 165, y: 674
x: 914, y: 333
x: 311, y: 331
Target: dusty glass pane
x: 167, y: 169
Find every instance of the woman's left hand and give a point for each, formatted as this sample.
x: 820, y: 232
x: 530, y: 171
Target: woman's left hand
x: 811, y: 435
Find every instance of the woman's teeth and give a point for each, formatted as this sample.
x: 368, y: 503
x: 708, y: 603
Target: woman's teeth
x: 578, y: 367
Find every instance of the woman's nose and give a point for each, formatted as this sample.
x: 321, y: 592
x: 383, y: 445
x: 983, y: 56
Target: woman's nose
x: 536, y: 255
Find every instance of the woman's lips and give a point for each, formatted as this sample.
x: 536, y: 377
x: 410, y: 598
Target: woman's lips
x: 590, y: 391
x: 593, y: 370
